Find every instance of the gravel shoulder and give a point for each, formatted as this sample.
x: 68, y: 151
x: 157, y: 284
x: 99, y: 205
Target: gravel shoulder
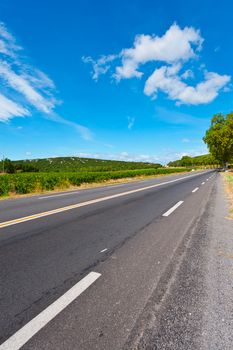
x: 196, y: 311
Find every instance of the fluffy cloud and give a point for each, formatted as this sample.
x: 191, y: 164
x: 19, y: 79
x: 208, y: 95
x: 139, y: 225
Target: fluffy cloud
x: 167, y: 80
x: 188, y: 74
x: 175, y: 48
x: 25, y: 88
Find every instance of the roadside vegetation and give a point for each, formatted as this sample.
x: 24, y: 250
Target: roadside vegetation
x: 206, y: 160
x: 72, y: 164
x: 23, y: 183
x: 219, y: 138
x: 228, y: 182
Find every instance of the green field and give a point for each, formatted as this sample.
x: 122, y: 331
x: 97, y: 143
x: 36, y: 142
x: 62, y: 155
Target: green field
x: 23, y: 183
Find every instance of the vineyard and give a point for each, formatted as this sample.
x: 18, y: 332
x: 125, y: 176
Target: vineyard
x: 23, y: 183
x: 73, y: 164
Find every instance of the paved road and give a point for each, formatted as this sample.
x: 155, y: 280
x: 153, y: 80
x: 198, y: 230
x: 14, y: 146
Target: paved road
x: 129, y: 234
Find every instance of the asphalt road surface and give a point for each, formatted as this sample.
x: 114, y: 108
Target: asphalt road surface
x: 84, y: 269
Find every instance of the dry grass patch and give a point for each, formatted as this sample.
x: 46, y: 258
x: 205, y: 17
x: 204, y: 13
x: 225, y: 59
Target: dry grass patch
x: 228, y: 185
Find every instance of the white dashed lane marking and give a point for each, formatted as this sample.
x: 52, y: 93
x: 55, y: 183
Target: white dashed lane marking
x: 173, y: 208
x: 22, y: 336
x: 195, y: 190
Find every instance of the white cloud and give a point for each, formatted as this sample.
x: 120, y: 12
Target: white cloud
x: 188, y: 74
x: 175, y: 48
x: 100, y: 66
x: 9, y: 109
x: 123, y: 156
x: 23, y: 86
x: 131, y: 121
x: 8, y: 45
x: 27, y: 87
x: 185, y: 140
x: 137, y: 157
x: 82, y: 130
x: 167, y: 80
x: 175, y: 45
x: 39, y: 79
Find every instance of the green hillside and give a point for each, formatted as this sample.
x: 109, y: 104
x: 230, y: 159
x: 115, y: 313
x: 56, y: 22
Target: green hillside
x: 73, y: 164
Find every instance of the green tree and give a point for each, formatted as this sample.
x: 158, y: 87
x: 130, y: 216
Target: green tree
x: 9, y: 166
x: 219, y: 138
x: 186, y: 161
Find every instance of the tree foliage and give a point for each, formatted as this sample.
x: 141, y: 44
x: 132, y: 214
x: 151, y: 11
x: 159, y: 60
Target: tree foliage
x: 8, y: 166
x: 205, y: 160
x: 219, y: 138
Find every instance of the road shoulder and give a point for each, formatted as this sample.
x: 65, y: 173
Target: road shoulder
x: 196, y: 310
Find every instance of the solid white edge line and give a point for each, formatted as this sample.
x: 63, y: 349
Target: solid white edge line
x: 79, y: 191
x: 82, y: 204
x: 195, y: 190
x: 59, y: 195
x: 23, y: 335
x: 103, y: 250
x: 173, y: 208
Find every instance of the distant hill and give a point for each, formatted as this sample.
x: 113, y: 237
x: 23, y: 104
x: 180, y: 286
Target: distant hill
x: 205, y: 159
x: 72, y: 164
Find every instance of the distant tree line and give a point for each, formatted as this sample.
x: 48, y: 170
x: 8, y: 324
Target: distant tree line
x: 186, y: 161
x: 9, y: 167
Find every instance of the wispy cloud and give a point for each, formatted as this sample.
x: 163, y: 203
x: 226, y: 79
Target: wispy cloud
x: 10, y: 109
x: 99, y: 66
x: 123, y: 156
x: 185, y: 140
x: 24, y: 88
x: 176, y: 117
x: 163, y: 158
x: 176, y: 48
x: 82, y: 130
x: 131, y: 121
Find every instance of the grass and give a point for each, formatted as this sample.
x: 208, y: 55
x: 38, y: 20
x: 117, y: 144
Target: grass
x: 228, y: 182
x: 25, y: 183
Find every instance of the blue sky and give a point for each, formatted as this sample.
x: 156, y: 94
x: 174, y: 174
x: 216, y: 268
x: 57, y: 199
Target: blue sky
x: 130, y: 80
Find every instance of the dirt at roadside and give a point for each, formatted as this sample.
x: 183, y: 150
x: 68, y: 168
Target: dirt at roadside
x: 228, y: 185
